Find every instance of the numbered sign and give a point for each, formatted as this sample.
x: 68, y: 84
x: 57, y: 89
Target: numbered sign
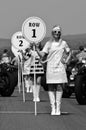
x: 15, y: 51
x: 19, y: 42
x: 34, y: 29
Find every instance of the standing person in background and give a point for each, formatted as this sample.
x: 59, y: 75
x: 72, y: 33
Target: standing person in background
x: 5, y: 58
x: 29, y: 70
x: 82, y: 53
x: 55, y: 72
x: 36, y: 89
x: 28, y: 59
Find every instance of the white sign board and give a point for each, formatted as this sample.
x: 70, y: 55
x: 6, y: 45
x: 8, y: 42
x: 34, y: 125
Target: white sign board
x: 19, y: 42
x: 15, y: 51
x: 34, y: 29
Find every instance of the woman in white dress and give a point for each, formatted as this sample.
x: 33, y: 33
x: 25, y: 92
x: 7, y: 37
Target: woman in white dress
x: 55, y: 72
x: 29, y: 72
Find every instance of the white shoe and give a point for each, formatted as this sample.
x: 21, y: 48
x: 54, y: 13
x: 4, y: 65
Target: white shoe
x: 53, y: 111
x: 58, y: 102
x: 58, y: 113
x: 52, y: 102
x: 27, y: 88
x: 27, y: 91
x: 30, y: 90
x: 58, y: 106
x: 36, y: 100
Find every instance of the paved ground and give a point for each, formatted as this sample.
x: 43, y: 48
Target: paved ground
x: 16, y: 115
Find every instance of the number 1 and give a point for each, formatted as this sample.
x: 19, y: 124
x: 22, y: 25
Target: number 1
x: 34, y: 33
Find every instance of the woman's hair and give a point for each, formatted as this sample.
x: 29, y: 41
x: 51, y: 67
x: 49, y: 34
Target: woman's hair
x: 81, y: 48
x: 5, y: 51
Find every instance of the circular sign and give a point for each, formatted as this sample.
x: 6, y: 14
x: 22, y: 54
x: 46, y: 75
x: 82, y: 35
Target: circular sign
x: 15, y: 51
x: 34, y: 29
x: 19, y: 42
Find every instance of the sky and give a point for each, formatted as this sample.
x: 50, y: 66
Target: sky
x: 69, y: 14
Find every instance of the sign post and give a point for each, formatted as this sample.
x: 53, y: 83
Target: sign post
x: 19, y: 44
x: 34, y: 30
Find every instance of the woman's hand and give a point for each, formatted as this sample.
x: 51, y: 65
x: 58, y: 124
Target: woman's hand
x: 36, y: 45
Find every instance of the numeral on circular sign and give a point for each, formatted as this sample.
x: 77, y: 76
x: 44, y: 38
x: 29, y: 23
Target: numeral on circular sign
x: 19, y: 42
x: 34, y: 33
x: 34, y: 29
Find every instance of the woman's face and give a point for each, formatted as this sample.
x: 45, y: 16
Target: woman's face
x: 28, y: 50
x: 56, y: 34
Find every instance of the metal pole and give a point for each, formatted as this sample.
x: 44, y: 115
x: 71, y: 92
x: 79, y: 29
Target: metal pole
x: 23, y: 87
x: 35, y: 84
x: 19, y: 75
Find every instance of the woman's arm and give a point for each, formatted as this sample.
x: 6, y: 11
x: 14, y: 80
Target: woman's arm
x: 68, y: 57
x: 40, y: 53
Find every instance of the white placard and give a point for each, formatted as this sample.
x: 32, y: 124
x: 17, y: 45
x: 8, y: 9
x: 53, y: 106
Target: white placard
x: 15, y: 51
x: 19, y: 42
x: 34, y: 29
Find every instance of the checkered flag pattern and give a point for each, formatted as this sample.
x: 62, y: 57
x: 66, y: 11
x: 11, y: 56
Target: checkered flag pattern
x: 38, y: 67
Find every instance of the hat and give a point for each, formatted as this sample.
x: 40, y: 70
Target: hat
x: 56, y: 28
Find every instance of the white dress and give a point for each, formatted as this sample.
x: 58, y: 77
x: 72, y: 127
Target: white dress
x: 55, y: 69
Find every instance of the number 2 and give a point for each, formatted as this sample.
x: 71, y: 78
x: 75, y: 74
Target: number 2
x: 21, y: 43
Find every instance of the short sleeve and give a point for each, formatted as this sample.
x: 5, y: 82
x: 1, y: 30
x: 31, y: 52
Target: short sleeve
x: 46, y: 48
x: 67, y: 49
